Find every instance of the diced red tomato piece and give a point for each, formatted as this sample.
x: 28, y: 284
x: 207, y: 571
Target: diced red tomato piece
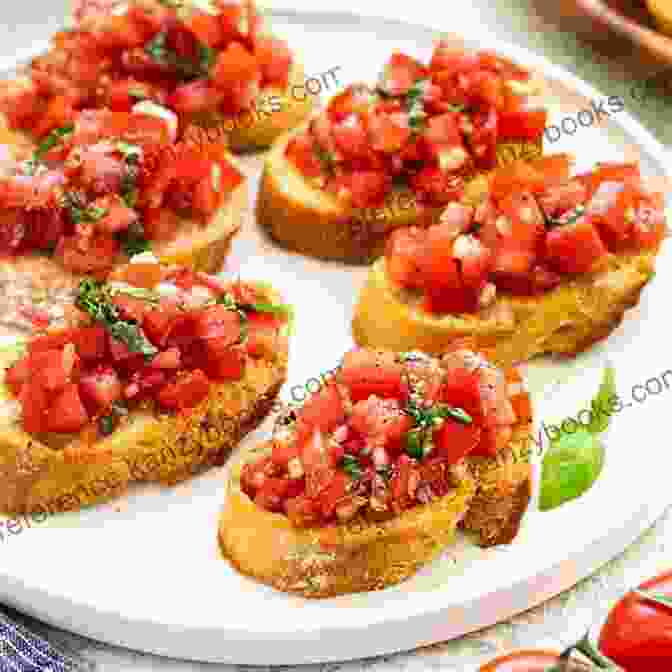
x: 284, y: 451
x: 262, y: 339
x: 218, y: 322
x: 188, y: 391
x: 301, y: 152
x: 443, y: 131
x: 367, y: 187
x: 34, y: 406
x: 367, y: 372
x: 388, y: 133
x: 59, y: 112
x: 98, y: 255
x: 66, y: 413
x: 335, y: 491
x: 18, y: 374
x: 323, y: 411
x: 400, y: 73
x: 49, y: 368
x: 462, y: 388
x: 351, y: 139
x: 316, y: 463
x: 275, y: 59
x: 382, y: 420
x: 302, y: 511
x: 160, y: 223
x: 119, y: 216
x: 197, y: 96
x: 223, y: 361
x: 562, y: 197
x: 130, y: 307
x: 272, y: 494
x: 574, y: 248
x: 523, y: 124
x: 403, y: 252
x: 484, y: 136
x: 493, y: 440
x: 90, y: 342
x: 100, y: 388
x: 206, y: 28
x: 456, y: 440
x: 234, y: 65
x: 436, y: 186
x: 159, y: 323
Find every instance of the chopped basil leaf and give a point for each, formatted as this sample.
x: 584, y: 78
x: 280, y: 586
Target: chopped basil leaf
x: 80, y: 211
x: 566, y: 219
x: 52, y: 140
x: 133, y: 240
x: 283, y: 309
x: 426, y: 417
x: 327, y: 159
x: 106, y: 425
x: 131, y: 153
x: 217, y: 177
x: 94, y: 298
x: 138, y: 94
x: 415, y: 105
x: 161, y: 53
x: 351, y: 466
x: 228, y: 301
x: 414, y: 443
x: 385, y: 471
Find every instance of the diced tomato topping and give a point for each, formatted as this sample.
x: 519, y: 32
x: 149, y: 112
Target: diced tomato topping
x: 301, y: 152
x: 131, y: 308
x: 523, y: 124
x: 100, y: 388
x: 234, y: 65
x: 196, y: 96
x: 34, y: 406
x: 223, y: 362
x: 366, y: 373
x: 159, y: 323
x: 575, y: 248
x: 66, y: 413
x: 188, y: 391
x: 323, y: 411
x: 89, y: 256
x: 456, y: 440
x: 403, y: 252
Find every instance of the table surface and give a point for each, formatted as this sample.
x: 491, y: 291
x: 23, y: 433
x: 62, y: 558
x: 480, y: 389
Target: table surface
x: 565, y: 618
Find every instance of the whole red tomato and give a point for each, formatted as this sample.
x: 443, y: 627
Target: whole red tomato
x: 529, y: 661
x: 638, y: 631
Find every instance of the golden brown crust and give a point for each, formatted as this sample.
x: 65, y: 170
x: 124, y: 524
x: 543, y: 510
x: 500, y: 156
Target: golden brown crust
x: 311, y: 221
x: 165, y: 449
x: 504, y: 489
x: 360, y: 555
x: 565, y: 320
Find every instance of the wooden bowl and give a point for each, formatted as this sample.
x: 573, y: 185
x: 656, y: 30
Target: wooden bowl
x: 600, y: 21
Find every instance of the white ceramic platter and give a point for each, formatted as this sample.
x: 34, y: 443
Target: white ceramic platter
x: 145, y: 572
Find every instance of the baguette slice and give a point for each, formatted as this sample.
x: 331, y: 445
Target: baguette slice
x: 487, y: 495
x: 565, y: 320
x: 153, y: 447
x: 358, y: 556
x: 314, y: 222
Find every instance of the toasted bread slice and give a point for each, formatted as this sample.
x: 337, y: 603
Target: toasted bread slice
x: 504, y: 489
x: 357, y: 556
x: 55, y: 473
x: 274, y: 112
x: 564, y: 320
x: 316, y: 223
x: 381, y: 530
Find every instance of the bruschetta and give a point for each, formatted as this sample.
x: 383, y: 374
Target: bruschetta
x: 160, y: 375
x: 369, y: 479
x: 393, y: 155
x: 546, y: 263
x: 111, y: 185
x: 211, y: 62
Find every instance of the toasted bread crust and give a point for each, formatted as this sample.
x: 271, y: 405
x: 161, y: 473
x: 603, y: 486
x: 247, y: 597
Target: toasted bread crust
x: 565, y: 320
x: 162, y: 448
x: 274, y: 112
x: 360, y: 555
x: 311, y: 221
x: 490, y: 499
x: 504, y: 489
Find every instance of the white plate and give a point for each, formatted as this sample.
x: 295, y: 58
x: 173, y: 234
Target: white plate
x: 145, y: 572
